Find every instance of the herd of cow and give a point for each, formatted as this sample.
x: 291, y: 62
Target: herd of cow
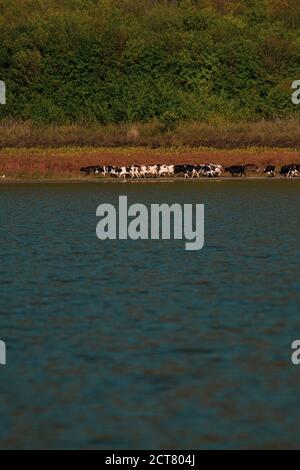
x: 208, y: 170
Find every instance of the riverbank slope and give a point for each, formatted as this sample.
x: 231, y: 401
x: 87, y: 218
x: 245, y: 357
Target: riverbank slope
x: 65, y: 163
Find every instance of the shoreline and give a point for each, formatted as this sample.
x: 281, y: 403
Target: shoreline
x: 98, y: 180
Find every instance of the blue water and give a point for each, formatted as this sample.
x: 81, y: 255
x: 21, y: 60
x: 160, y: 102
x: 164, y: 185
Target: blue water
x: 141, y: 344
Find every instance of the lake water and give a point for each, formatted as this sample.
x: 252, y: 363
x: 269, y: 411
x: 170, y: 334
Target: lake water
x: 141, y: 344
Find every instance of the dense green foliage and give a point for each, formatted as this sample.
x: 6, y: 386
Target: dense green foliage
x: 101, y: 61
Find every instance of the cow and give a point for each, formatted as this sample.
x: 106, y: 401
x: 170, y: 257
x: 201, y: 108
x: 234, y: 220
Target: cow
x: 134, y: 171
x: 270, y: 170
x: 290, y: 171
x: 91, y: 169
x: 152, y: 170
x: 186, y: 170
x: 85, y: 169
x: 166, y: 170
x: 107, y: 170
x: 210, y: 170
x: 124, y: 172
x: 236, y: 170
x: 179, y: 169
x: 143, y: 171
x: 189, y: 171
x: 203, y: 170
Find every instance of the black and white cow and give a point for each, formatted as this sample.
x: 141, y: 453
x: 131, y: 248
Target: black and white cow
x: 270, y: 170
x: 290, y: 171
x: 152, y: 170
x: 142, y: 171
x: 186, y: 170
x: 210, y: 170
x: 166, y: 170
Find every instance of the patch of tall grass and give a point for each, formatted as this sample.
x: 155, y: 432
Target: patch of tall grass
x: 228, y: 135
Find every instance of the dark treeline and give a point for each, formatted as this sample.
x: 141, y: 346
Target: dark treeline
x: 108, y: 61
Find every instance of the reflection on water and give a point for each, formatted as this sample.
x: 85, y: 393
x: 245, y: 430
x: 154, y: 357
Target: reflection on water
x: 141, y: 344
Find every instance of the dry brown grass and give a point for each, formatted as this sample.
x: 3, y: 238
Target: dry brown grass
x: 280, y: 133
x: 66, y: 162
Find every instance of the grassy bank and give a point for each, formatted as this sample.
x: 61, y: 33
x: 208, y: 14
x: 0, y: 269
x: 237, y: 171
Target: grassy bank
x: 157, y: 134
x: 30, y: 151
x: 65, y: 162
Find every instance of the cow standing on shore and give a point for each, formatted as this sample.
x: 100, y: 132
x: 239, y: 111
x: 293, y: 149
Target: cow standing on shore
x: 270, y: 170
x: 166, y: 170
x: 239, y: 170
x: 290, y: 171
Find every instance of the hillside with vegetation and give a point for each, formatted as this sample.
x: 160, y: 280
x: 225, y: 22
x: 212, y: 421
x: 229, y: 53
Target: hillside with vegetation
x: 94, y: 62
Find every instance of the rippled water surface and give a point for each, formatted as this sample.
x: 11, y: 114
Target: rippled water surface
x: 141, y: 344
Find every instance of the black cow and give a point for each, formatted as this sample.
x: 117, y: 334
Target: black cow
x: 91, y: 169
x: 271, y: 170
x: 236, y: 170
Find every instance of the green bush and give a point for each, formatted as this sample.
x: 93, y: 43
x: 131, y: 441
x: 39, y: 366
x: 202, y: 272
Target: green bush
x: 168, y: 121
x: 111, y: 61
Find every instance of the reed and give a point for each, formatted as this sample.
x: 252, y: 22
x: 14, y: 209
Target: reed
x: 219, y: 135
